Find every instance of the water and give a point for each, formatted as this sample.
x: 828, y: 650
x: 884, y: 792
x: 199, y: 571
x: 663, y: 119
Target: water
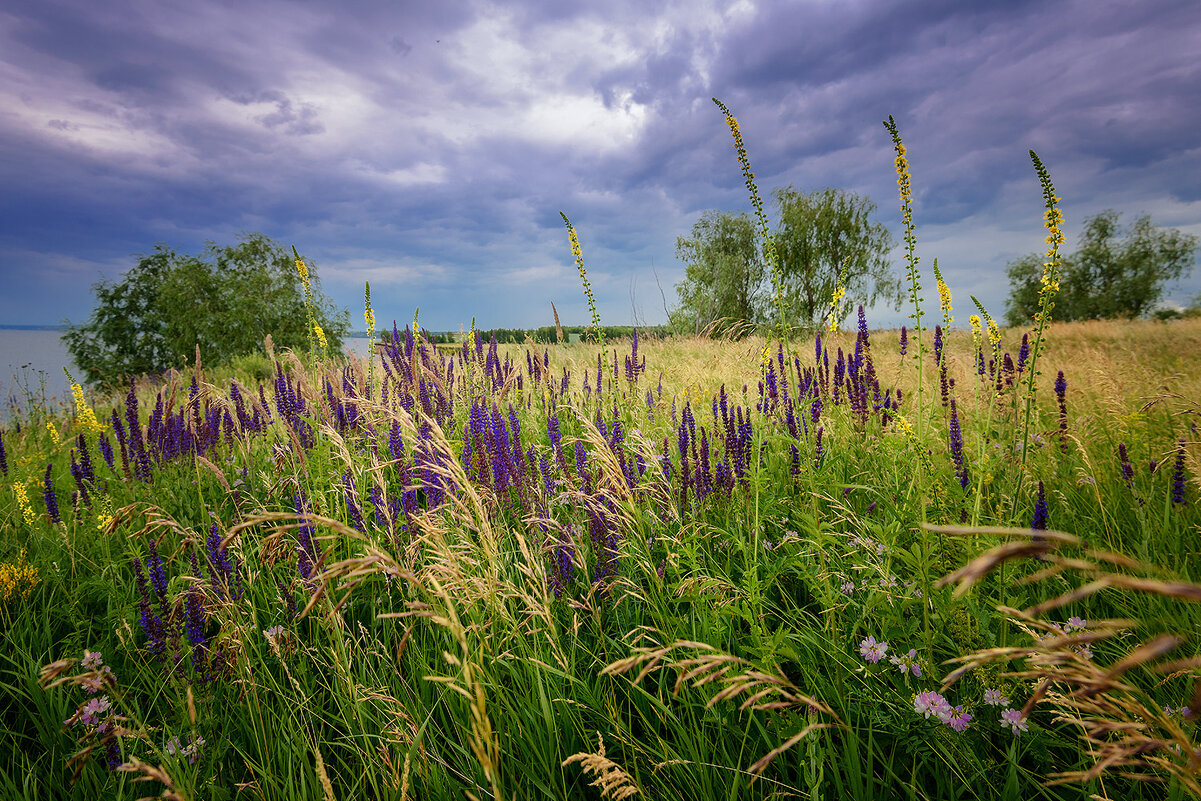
x: 31, y: 367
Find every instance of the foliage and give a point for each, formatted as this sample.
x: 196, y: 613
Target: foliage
x: 818, y: 235
x: 723, y: 276
x: 1116, y: 273
x: 821, y: 233
x: 225, y: 300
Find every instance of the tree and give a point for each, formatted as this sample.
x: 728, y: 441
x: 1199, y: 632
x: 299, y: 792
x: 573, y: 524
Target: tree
x: 723, y: 274
x: 821, y: 234
x: 818, y: 235
x: 1105, y: 278
x: 226, y: 301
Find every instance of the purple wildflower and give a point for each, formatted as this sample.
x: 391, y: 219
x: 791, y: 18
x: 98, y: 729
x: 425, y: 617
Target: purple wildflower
x: 1015, y: 720
x: 50, y: 496
x: 871, y: 650
x: 1178, y: 475
x: 959, y: 720
x: 904, y: 340
x: 1127, y: 467
x: 956, y: 436
x: 1061, y: 388
x: 1039, y: 521
x: 908, y: 663
x: 3, y: 456
x: 993, y: 697
x: 1024, y: 352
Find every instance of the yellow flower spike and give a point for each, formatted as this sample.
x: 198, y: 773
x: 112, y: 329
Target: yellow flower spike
x: 23, y: 503
x: 84, y: 414
x: 320, y: 338
x: 53, y: 431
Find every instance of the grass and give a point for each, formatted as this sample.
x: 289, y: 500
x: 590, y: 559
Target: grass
x: 719, y: 569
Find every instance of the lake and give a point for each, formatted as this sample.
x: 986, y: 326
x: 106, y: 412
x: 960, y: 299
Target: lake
x: 32, y: 361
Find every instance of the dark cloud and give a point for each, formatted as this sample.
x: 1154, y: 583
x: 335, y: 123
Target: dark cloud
x: 428, y: 148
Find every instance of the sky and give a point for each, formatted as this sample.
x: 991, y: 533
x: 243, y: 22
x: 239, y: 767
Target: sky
x: 428, y: 147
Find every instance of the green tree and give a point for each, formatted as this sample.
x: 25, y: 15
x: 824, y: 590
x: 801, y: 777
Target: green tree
x: 818, y: 234
x: 723, y: 274
x: 824, y: 232
x: 225, y: 300
x: 1115, y: 273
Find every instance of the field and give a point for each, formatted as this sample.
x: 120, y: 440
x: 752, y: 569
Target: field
x: 670, y: 569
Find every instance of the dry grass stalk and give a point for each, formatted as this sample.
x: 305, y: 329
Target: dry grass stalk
x: 1124, y: 729
x: 613, y: 782
x: 760, y: 691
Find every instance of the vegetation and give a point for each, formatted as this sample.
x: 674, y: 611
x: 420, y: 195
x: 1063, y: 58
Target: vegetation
x: 672, y: 569
x: 824, y: 239
x: 224, y: 301
x: 1115, y: 274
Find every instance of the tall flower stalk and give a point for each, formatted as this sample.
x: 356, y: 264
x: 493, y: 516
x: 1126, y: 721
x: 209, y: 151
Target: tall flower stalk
x: 598, y: 335
x: 369, y: 318
x: 1053, y: 220
x: 912, y: 273
x: 770, y: 254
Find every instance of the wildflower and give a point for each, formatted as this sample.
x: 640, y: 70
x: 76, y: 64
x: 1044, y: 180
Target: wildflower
x: 1039, y: 521
x: 1061, y: 388
x: 1178, y: 475
x: 932, y: 704
x: 275, y: 638
x: 871, y: 650
x: 91, y: 660
x: 848, y: 587
x: 1024, y: 352
x: 908, y: 663
x: 1127, y: 467
x: 959, y: 720
x: 50, y: 496
x: 944, y: 296
x: 596, y: 332
x: 53, y: 431
x: 17, y: 580
x: 3, y: 456
x: 23, y: 502
x: 84, y: 414
x: 92, y: 711
x: 1075, y: 623
x: 321, y: 341
x: 1015, y: 720
x: 993, y: 697
x: 103, y: 521
x: 956, y: 436
x: 904, y: 340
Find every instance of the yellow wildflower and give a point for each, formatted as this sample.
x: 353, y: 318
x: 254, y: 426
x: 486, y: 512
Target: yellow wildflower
x: 85, y: 415
x: 17, y: 579
x: 23, y: 503
x: 303, y: 270
x: 839, y: 291
x: 53, y: 431
x: 320, y: 337
x: 102, y: 521
x: 994, y: 334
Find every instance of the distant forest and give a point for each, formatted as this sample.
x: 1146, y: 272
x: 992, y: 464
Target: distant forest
x: 545, y: 335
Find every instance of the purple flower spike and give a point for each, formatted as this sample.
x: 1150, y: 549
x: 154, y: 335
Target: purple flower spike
x: 1178, y: 475
x: 1039, y: 522
x: 50, y: 496
x: 904, y: 340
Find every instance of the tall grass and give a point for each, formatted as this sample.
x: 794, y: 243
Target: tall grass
x: 669, y: 569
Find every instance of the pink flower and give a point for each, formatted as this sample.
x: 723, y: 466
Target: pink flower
x: 994, y: 698
x: 959, y: 720
x: 871, y: 650
x: 91, y: 712
x: 907, y: 663
x: 932, y: 704
x: 1015, y: 720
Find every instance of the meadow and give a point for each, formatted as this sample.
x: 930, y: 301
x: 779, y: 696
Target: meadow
x: 958, y: 563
